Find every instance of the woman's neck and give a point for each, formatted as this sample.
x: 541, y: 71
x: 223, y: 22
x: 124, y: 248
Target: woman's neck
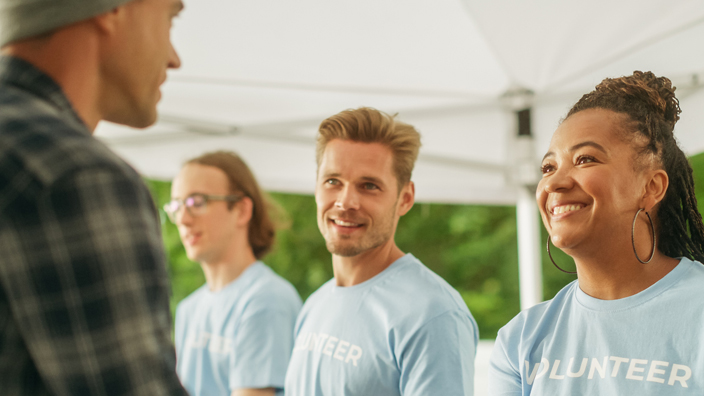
x: 618, y: 274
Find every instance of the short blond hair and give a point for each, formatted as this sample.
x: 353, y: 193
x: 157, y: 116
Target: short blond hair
x: 368, y: 125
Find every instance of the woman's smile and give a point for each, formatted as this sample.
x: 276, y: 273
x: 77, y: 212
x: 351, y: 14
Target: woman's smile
x: 563, y: 209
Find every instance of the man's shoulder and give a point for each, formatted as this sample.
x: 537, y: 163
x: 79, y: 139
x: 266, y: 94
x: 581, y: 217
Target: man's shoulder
x: 267, y: 289
x: 317, y: 299
x: 42, y: 138
x: 17, y: 102
x: 321, y: 293
x: 46, y: 146
x: 406, y: 284
x: 191, y: 302
x: 416, y: 282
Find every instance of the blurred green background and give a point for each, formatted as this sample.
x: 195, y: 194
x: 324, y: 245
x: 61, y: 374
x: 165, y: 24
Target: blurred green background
x: 473, y: 247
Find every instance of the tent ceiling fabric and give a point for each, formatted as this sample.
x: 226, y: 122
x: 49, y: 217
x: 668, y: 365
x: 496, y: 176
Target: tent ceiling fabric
x: 259, y: 76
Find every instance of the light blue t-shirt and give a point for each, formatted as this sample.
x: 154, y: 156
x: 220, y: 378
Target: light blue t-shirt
x: 651, y: 343
x: 238, y: 337
x: 403, y: 332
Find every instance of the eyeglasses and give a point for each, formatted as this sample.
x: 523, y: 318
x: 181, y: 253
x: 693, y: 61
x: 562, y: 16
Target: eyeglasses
x: 196, y: 204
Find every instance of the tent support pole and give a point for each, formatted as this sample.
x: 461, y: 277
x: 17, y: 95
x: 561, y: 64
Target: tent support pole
x: 529, y: 261
x: 525, y: 176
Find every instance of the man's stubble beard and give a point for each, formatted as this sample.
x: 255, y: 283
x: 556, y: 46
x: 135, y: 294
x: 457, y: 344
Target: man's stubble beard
x: 374, y: 240
x: 345, y: 250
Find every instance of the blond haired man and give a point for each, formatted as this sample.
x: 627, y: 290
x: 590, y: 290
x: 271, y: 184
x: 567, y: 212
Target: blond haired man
x: 386, y: 324
x: 84, y: 293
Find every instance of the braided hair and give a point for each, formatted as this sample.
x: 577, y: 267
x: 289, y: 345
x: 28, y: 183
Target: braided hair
x: 652, y: 109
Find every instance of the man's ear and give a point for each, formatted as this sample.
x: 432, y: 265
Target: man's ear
x: 406, y: 198
x: 655, y: 188
x: 108, y: 22
x: 245, y: 207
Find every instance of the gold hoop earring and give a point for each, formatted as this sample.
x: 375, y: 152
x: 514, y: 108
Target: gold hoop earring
x: 553, y: 261
x: 633, y: 238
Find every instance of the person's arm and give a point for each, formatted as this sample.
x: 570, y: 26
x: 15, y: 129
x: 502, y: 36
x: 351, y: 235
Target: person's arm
x: 504, y: 375
x: 254, y: 392
x: 439, y: 357
x: 91, y: 297
x: 264, y: 342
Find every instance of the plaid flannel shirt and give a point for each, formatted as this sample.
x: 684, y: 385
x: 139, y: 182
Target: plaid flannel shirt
x: 84, y: 306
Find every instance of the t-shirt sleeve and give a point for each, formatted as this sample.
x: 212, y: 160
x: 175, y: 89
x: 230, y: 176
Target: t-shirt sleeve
x: 439, y: 357
x: 263, y: 342
x: 504, y: 376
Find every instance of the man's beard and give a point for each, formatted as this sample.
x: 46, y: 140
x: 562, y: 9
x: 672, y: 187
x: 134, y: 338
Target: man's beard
x: 348, y: 250
x: 373, y: 239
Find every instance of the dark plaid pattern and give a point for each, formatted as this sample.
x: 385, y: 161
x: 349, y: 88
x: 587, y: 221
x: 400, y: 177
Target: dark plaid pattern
x: 84, y: 304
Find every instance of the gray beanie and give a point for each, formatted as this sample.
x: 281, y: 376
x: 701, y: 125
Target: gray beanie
x: 21, y: 19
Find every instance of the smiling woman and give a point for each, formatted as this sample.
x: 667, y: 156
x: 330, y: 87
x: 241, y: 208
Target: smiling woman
x: 617, y: 196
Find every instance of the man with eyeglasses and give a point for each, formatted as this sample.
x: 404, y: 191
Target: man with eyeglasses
x: 84, y: 292
x: 234, y: 335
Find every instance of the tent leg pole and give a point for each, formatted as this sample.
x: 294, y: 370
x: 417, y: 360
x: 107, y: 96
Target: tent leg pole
x: 529, y: 262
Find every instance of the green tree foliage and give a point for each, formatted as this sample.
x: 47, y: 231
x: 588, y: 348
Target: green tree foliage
x: 697, y: 162
x: 473, y: 247
x: 469, y: 247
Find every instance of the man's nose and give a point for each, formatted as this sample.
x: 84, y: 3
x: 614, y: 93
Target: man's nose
x: 183, y: 216
x: 174, y: 59
x: 347, y: 198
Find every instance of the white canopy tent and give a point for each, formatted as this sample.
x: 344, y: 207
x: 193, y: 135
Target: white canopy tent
x: 259, y: 76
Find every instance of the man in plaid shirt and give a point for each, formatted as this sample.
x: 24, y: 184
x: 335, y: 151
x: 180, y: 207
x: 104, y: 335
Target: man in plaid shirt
x: 84, y: 306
